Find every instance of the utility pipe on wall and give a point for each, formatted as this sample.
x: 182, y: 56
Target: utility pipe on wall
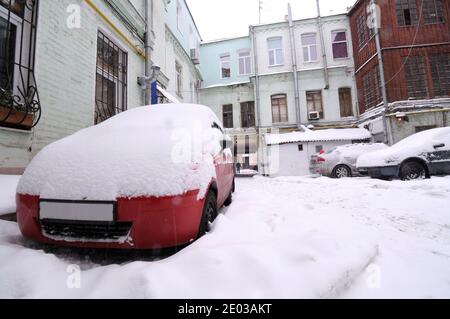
x: 322, y: 42
x: 375, y: 19
x: 261, y: 155
x: 256, y: 67
x: 294, y: 66
x: 148, y: 51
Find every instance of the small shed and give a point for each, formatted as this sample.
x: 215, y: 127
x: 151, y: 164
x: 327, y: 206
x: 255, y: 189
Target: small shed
x: 290, y: 154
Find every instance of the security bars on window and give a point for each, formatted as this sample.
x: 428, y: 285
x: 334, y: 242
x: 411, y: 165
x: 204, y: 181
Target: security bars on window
x: 20, y: 107
x: 111, y: 79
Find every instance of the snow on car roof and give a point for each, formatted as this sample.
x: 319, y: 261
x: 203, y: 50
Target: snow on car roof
x: 160, y: 150
x: 350, y: 134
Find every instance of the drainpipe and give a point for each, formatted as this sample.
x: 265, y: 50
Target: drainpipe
x: 149, y: 73
x: 294, y: 66
x: 322, y: 42
x: 374, y: 14
x: 255, y: 63
x: 257, y: 97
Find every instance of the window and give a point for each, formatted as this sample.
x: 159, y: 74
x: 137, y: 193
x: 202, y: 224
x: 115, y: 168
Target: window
x: 179, y: 71
x: 415, y: 77
x: 19, y: 101
x: 314, y: 102
x: 440, y: 73
x: 111, y: 79
x: 309, y: 44
x: 340, y: 49
x: 275, y: 51
x: 372, y: 88
x: 245, y: 62
x: 279, y: 108
x: 300, y: 147
x: 248, y: 114
x: 433, y: 11
x: 228, y: 116
x: 406, y: 12
x: 345, y: 102
x: 361, y: 29
x: 8, y: 37
x: 319, y: 148
x: 225, y: 68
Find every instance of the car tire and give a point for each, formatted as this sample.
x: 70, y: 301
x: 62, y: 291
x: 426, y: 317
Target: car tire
x: 341, y: 171
x: 412, y: 171
x: 209, y: 214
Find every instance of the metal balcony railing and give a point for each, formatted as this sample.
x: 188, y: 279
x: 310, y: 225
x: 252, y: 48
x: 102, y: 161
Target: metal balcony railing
x: 20, y: 106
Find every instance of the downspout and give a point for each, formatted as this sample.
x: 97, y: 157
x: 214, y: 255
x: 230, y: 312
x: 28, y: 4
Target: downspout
x: 256, y: 67
x: 374, y: 13
x: 261, y: 154
x: 149, y: 87
x: 322, y: 42
x: 294, y: 66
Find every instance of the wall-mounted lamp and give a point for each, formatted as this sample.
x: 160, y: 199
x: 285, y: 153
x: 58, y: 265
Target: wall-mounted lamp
x: 401, y: 117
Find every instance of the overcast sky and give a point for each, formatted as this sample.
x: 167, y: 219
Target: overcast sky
x: 217, y: 19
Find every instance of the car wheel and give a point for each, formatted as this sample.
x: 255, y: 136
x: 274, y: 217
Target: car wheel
x: 412, y: 171
x: 209, y: 214
x: 342, y: 171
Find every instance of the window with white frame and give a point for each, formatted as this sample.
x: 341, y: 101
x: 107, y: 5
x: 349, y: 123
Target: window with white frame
x: 276, y: 56
x: 309, y: 44
x: 179, y: 71
x: 225, y: 66
x: 339, y: 43
x: 245, y: 62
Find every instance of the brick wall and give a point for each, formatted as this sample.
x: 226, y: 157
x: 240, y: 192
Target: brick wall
x: 65, y: 72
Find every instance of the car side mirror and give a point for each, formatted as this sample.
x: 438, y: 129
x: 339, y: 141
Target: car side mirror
x: 440, y: 145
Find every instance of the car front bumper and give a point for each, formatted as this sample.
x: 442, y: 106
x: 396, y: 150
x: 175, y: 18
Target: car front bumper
x: 380, y: 172
x: 139, y: 223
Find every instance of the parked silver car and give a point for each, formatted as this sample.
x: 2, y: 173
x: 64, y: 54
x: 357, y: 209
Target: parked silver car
x: 416, y: 157
x: 340, y: 162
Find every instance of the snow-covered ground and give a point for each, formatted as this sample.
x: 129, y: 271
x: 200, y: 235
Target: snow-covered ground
x: 281, y: 238
x: 8, y: 186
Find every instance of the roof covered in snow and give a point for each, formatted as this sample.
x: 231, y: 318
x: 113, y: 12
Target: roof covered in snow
x: 350, y: 134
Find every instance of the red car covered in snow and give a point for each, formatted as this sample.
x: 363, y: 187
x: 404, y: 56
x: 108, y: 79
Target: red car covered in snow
x: 149, y: 178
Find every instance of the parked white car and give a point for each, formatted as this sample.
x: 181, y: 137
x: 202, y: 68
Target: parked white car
x: 418, y: 156
x: 340, y: 162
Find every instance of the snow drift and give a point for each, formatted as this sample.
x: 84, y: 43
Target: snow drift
x: 163, y: 150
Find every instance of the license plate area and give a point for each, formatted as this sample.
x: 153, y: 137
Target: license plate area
x: 90, y: 211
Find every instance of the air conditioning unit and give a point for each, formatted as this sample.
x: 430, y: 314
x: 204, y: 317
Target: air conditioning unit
x: 195, y: 56
x: 313, y: 116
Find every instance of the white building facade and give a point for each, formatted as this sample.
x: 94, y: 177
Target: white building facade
x: 77, y: 63
x: 326, y: 88
x: 322, y: 95
x: 227, y: 66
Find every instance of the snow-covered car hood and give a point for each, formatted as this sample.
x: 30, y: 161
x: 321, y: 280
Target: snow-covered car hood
x: 414, y: 146
x: 158, y: 151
